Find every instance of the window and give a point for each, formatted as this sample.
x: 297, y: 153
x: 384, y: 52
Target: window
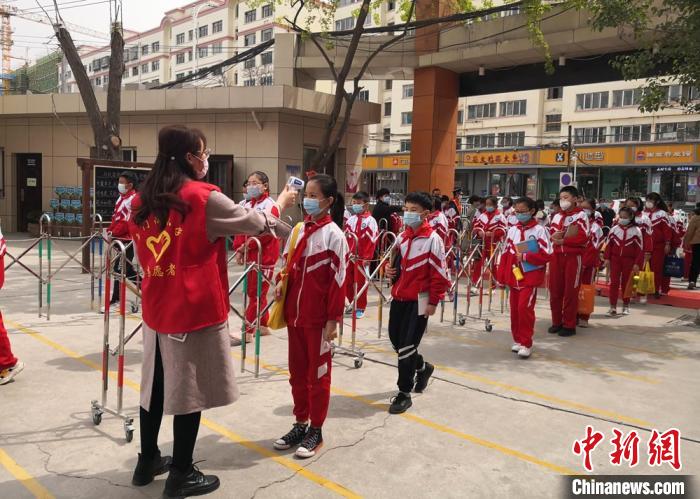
x: 388, y: 84
x: 266, y: 80
x: 203, y: 31
x: 189, y: 55
x: 105, y: 80
x: 391, y: 6
x: 593, y: 100
x: 345, y: 3
x: 202, y: 52
x: 387, y: 109
x: 180, y: 39
x: 267, y: 10
x: 134, y: 53
x: 481, y: 111
x: 460, y: 116
x: 217, y: 27
x: 363, y: 96
x: 511, y: 139
x: 249, y: 40
x: 135, y: 71
x: 217, y: 48
x: 407, y: 118
x: 459, y: 143
x: 190, y: 35
x: 386, y: 134
x: 405, y: 146
x: 144, y: 49
x: 552, y: 123
x: 555, y: 93
x: 179, y: 76
x: 622, y: 98
x: 513, y: 108
x: 98, y: 81
x: 155, y: 47
x: 485, y: 141
x: 155, y: 65
x: 144, y: 68
x: 345, y: 24
x: 595, y: 135
x: 631, y: 133
x: 266, y: 58
x: 250, y: 63
x: 266, y: 35
x: 407, y: 91
x: 180, y: 58
x: 249, y: 83
x: 250, y: 16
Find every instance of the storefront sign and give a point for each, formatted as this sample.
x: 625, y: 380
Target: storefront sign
x: 593, y: 155
x: 497, y: 158
x: 664, y: 154
x: 402, y: 162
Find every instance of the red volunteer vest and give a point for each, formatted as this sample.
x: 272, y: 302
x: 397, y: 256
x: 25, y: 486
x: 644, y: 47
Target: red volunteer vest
x: 185, y: 284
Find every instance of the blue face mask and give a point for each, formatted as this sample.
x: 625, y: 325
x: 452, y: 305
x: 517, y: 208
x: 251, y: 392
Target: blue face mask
x: 357, y: 208
x: 412, y: 219
x: 312, y: 206
x: 523, y: 218
x: 624, y: 221
x: 490, y: 209
x: 254, y: 191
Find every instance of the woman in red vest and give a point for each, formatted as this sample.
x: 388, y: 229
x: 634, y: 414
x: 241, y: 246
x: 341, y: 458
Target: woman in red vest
x: 178, y: 227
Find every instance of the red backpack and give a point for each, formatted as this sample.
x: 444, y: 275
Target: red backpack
x: 395, y: 223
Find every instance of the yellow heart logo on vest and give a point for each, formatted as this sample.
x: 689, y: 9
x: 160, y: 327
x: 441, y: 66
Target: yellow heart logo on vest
x: 163, y: 239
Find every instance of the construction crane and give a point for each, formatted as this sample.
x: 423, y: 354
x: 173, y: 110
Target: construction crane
x: 6, y: 11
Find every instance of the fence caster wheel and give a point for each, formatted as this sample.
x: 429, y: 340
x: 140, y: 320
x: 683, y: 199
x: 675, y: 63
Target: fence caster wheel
x: 332, y: 351
x: 489, y: 328
x: 134, y: 308
x: 128, y: 431
x: 358, y: 362
x: 462, y: 321
x: 96, y: 418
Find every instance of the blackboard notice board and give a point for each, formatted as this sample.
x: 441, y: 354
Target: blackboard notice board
x: 105, y: 181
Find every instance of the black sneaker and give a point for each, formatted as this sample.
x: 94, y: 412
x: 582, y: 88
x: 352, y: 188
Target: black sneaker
x: 554, y: 329
x: 400, y: 403
x: 191, y: 483
x: 147, y: 469
x: 565, y: 331
x: 422, y: 377
x: 312, y: 443
x: 293, y: 437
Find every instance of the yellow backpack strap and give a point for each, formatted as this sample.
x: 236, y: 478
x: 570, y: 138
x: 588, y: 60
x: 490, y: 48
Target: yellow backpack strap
x: 293, y: 242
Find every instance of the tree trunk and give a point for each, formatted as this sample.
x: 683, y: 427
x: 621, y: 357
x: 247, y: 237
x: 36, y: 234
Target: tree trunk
x: 114, y: 92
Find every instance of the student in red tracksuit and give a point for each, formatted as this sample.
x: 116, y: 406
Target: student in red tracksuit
x: 677, y: 231
x: 642, y: 221
x: 119, y: 227
x: 624, y: 255
x: 489, y: 228
x: 661, y: 236
x: 313, y: 307
x: 419, y: 280
x: 508, y: 211
x: 10, y: 366
x: 439, y: 223
x: 365, y: 228
x: 258, y: 199
x: 523, y: 292
x: 591, y: 256
x: 569, y: 231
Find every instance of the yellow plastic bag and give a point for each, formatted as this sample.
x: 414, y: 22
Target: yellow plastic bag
x: 276, y: 320
x: 646, y: 285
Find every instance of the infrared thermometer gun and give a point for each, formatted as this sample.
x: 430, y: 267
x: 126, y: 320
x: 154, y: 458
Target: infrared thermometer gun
x: 295, y: 184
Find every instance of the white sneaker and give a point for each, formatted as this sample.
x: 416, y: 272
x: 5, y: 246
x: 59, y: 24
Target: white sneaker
x: 625, y: 310
x: 612, y: 313
x: 583, y: 323
x: 516, y: 347
x: 524, y: 352
x: 7, y: 375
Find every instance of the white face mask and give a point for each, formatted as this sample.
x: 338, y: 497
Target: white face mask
x: 649, y: 205
x: 203, y: 172
x: 565, y: 205
x: 122, y: 188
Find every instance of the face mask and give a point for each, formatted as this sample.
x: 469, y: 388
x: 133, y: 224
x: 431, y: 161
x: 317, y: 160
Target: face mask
x: 386, y: 199
x: 122, y: 188
x: 357, y: 208
x: 565, y: 205
x: 523, y: 218
x: 312, y: 206
x: 634, y: 209
x: 490, y: 209
x: 625, y: 221
x: 588, y: 212
x: 412, y: 219
x: 650, y: 205
x: 604, y: 205
x: 254, y: 191
x: 203, y: 173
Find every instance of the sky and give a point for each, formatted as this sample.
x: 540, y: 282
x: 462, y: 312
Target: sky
x: 36, y: 39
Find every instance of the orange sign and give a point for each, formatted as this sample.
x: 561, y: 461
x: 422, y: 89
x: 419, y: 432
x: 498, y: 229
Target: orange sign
x: 399, y: 162
x: 664, y: 154
x: 497, y: 158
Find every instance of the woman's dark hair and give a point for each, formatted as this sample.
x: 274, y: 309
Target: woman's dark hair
x: 655, y: 197
x: 493, y: 199
x: 422, y: 199
x: 159, y: 192
x: 262, y: 177
x: 329, y: 188
x: 382, y: 192
x: 629, y: 211
x: 529, y: 202
x: 592, y: 202
x: 539, y: 204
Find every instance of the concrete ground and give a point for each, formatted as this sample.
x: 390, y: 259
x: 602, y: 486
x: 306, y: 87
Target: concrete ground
x: 489, y: 425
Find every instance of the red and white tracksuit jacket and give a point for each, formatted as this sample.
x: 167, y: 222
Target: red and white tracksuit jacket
x: 439, y: 223
x: 625, y: 249
x: 270, y: 254
x: 642, y: 221
x: 511, y: 219
x: 422, y: 268
x: 365, y: 228
x: 566, y: 265
x: 523, y: 293
x: 315, y: 295
x: 591, y: 256
x: 494, y: 223
x: 661, y: 234
x: 119, y: 227
x: 7, y: 360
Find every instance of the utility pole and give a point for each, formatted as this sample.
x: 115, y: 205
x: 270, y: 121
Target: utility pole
x: 569, y: 148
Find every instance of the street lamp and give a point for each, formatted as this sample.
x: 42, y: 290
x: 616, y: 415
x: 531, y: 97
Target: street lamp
x: 195, y: 14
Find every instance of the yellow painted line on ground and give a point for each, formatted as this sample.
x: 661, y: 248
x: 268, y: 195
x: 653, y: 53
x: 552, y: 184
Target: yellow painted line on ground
x: 23, y: 477
x: 215, y: 427
x: 532, y: 393
x: 437, y: 426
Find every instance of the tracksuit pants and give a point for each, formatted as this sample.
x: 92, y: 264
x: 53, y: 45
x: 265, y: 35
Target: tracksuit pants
x: 620, y: 273
x: 695, y: 266
x: 657, y: 266
x: 564, y: 283
x: 353, y: 274
x: 587, y: 275
x: 478, y: 268
x: 522, y: 314
x: 251, y: 311
x: 309, y: 374
x: 406, y: 329
x: 7, y: 360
